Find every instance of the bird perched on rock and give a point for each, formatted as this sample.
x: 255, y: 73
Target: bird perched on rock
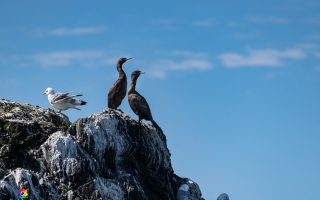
x: 223, y: 196
x: 118, y: 90
x: 137, y: 102
x: 62, y: 101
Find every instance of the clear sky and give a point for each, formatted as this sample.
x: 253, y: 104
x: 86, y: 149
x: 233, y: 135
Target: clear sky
x: 235, y: 85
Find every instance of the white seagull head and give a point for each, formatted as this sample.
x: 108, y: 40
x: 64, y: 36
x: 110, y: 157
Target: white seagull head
x: 48, y: 91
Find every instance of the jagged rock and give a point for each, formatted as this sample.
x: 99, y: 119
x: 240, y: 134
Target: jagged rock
x: 104, y: 156
x: 23, y: 128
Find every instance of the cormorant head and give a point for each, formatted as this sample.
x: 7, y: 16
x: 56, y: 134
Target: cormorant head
x: 123, y: 60
x: 135, y: 74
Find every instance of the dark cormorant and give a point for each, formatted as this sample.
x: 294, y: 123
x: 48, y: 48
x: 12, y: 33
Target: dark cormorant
x: 118, y: 90
x: 138, y: 103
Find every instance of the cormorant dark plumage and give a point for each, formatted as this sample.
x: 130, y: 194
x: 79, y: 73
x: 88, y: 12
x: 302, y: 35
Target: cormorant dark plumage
x: 118, y: 90
x: 137, y: 102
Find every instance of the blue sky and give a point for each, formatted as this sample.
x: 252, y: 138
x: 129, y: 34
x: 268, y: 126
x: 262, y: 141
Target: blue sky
x: 234, y: 85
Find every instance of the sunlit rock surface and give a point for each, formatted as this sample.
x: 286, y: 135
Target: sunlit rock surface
x: 104, y: 156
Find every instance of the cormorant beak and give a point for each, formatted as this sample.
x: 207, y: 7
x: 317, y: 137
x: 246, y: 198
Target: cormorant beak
x: 142, y: 72
x: 128, y: 58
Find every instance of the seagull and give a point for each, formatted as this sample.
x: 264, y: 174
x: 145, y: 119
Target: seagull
x: 223, y: 196
x: 62, y: 101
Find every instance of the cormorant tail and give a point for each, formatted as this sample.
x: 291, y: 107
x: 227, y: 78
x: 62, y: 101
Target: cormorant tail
x: 154, y: 124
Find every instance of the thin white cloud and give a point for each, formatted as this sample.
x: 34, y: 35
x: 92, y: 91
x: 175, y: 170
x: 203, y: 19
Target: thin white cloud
x: 66, y: 58
x: 168, y: 24
x: 76, y: 31
x: 275, y: 20
x: 12, y: 82
x: 110, y: 61
x: 43, y: 32
x: 245, y: 35
x: 315, y: 20
x: 84, y: 58
x: 307, y: 46
x: 266, y: 57
x: 176, y: 23
x: 187, y: 61
x: 270, y: 75
x: 164, y: 21
x: 290, y: 8
x: 234, y: 24
x: 203, y: 23
x: 189, y: 54
x: 317, y: 54
x: 17, y: 60
x: 314, y: 37
x: 9, y: 82
x: 317, y: 68
x: 160, y: 68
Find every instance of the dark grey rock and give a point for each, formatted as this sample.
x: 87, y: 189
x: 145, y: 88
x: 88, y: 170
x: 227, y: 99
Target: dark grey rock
x: 104, y: 156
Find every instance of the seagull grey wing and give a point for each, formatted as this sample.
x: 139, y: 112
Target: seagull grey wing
x: 59, y: 97
x: 143, y: 106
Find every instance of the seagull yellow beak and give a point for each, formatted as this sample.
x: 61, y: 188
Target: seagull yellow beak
x: 44, y: 93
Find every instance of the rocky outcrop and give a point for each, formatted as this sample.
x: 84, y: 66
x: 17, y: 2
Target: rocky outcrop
x: 104, y: 156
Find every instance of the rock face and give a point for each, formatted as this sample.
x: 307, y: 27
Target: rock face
x: 104, y: 156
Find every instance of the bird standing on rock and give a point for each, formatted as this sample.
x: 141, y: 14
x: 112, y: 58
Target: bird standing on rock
x: 62, y: 101
x: 137, y: 102
x: 118, y: 90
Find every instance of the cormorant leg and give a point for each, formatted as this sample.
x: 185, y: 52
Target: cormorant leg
x: 120, y: 110
x: 139, y: 129
x: 139, y: 126
x: 59, y: 111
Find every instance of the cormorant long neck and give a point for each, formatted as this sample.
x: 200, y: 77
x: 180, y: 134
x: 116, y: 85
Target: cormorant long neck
x: 122, y: 75
x: 132, y: 88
